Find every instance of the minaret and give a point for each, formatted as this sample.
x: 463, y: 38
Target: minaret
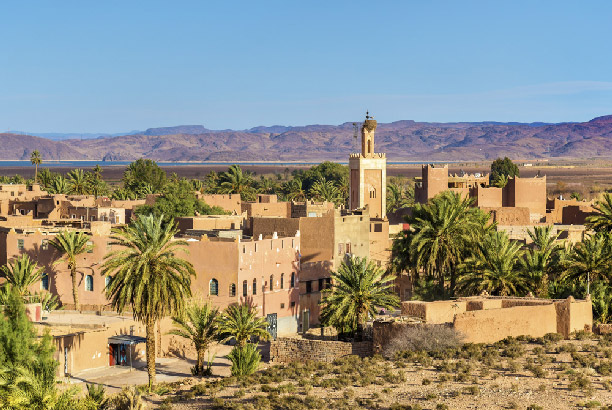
x: 368, y: 179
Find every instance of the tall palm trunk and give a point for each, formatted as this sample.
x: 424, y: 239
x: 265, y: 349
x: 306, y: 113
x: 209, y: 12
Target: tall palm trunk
x: 150, y: 328
x: 75, y: 288
x: 36, y: 174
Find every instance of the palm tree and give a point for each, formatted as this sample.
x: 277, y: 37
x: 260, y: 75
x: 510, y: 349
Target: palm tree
x: 396, y: 197
x: 589, y: 260
x: 542, y: 259
x: 359, y: 289
x: 70, y: 245
x: 148, y: 276
x: 36, y: 160
x: 197, y: 185
x: 602, y: 220
x: 21, y: 273
x: 211, y: 181
x: 492, y: 267
x: 442, y: 233
x: 199, y: 324
x: 77, y: 182
x: 59, y: 185
x: 234, y: 181
x: 295, y: 190
x: 323, y: 190
x: 242, y: 323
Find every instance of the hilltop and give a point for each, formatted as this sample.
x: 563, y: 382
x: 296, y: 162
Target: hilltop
x: 401, y: 140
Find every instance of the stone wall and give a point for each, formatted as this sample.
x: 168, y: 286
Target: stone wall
x: 286, y: 350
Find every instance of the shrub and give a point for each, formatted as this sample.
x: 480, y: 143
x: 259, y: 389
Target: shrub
x: 538, y: 371
x: 429, y: 338
x: 534, y: 407
x: 245, y: 360
x: 426, y: 382
x: 553, y: 337
x: 441, y: 406
x: 128, y: 399
x: 514, y: 351
x: 582, y: 335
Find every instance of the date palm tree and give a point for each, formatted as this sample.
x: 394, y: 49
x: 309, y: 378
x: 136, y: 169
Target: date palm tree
x: 71, y: 244
x: 148, y: 275
x: 602, y: 220
x: 78, y: 182
x: 59, y: 185
x: 295, y: 190
x: 493, y: 267
x: 241, y: 322
x: 36, y: 160
x: 324, y: 190
x: 235, y: 181
x: 21, y: 273
x: 541, y: 260
x: 359, y: 288
x: 589, y: 260
x: 442, y: 233
x: 198, y: 324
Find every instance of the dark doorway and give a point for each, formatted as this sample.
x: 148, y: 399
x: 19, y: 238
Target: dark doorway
x: 272, y: 324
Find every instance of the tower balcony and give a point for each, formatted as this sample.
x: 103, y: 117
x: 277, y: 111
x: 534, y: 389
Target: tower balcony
x: 357, y: 155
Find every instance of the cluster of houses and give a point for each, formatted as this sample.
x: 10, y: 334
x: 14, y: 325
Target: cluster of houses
x: 278, y: 256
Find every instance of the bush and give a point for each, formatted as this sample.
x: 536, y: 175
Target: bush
x: 429, y: 338
x: 245, y: 360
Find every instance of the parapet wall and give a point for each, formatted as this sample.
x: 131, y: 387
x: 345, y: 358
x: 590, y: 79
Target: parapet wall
x: 489, y: 319
x: 286, y: 350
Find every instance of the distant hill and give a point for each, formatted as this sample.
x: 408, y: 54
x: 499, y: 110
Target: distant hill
x: 401, y: 140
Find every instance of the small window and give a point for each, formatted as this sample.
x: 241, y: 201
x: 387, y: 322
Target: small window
x: 107, y: 281
x: 73, y: 216
x: 271, y: 282
x: 282, y: 244
x: 292, y: 279
x: 348, y: 248
x: 245, y: 288
x: 282, y: 282
x: 44, y: 244
x: 243, y: 249
x: 213, y: 287
x: 309, y: 286
x: 90, y: 245
x: 282, y: 305
x: 254, y: 286
x: 44, y: 282
x: 232, y: 290
x: 255, y: 247
x: 321, y: 285
x: 20, y: 244
x: 292, y: 304
x: 89, y: 283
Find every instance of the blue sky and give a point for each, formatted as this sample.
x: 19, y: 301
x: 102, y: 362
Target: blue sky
x: 114, y: 66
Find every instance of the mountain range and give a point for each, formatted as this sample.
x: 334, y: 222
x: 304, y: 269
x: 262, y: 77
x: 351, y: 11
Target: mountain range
x: 401, y: 140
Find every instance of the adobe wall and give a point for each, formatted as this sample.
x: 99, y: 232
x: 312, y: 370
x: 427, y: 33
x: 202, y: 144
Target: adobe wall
x: 354, y: 230
x: 576, y: 214
x: 310, y: 209
x: 274, y: 209
x: 380, y: 244
x: 287, y: 350
x: 509, y: 216
x: 209, y: 222
x: 266, y: 227
x: 228, y: 202
x: 490, y: 197
x: 489, y: 326
x: 527, y: 192
x: 442, y: 311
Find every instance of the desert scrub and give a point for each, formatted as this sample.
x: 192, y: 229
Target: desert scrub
x: 580, y: 382
x: 537, y: 370
x: 473, y: 390
x: 426, y: 338
x: 581, y: 335
x: 584, y: 360
x: 567, y: 348
x: 514, y: 351
x: 604, y: 368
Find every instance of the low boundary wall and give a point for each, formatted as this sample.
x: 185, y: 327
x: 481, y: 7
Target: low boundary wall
x: 286, y: 350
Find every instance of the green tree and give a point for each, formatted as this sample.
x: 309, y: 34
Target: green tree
x: 141, y: 173
x: 241, y: 322
x: 36, y: 160
x: 78, y: 182
x: 21, y: 274
x: 235, y: 181
x: 323, y: 190
x: 330, y: 171
x: 46, y: 177
x: 198, y: 324
x: 541, y: 260
x: 493, y: 268
x: 148, y: 276
x: 294, y: 190
x: 589, y: 260
x: 501, y: 167
x: 398, y: 196
x: 59, y: 185
x: 601, y: 221
x: 71, y: 244
x: 178, y: 199
x: 442, y: 235
x: 245, y: 360
x: 359, y: 288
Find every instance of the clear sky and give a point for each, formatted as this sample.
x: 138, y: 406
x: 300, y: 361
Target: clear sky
x: 115, y: 66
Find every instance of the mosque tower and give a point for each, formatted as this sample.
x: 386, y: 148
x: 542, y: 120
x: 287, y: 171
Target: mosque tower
x: 368, y: 178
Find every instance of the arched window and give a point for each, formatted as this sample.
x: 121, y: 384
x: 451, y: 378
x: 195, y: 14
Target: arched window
x: 107, y: 281
x: 213, y: 287
x: 292, y: 279
x: 271, y: 282
x: 232, y: 290
x: 369, y: 146
x: 254, y: 286
x: 89, y: 283
x: 44, y: 282
x: 245, y: 288
x: 282, y: 284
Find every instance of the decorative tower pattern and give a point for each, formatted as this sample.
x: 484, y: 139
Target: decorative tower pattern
x: 368, y: 179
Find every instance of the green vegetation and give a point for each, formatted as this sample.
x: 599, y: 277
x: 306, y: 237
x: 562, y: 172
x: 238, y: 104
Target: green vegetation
x: 198, y: 323
x: 36, y: 160
x: 359, y: 289
x: 71, y: 244
x: 148, y: 276
x: 501, y: 170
